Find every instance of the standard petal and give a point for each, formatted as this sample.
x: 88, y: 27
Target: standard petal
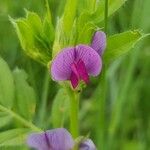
x: 61, y: 65
x: 91, y: 59
x: 87, y: 145
x: 99, y: 42
x: 37, y: 141
x: 60, y: 139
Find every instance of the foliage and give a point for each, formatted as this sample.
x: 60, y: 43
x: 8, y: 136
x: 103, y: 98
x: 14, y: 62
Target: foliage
x: 114, y: 107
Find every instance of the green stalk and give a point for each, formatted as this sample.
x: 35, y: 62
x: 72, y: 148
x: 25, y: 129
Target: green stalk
x: 94, y: 5
x: 74, y: 109
x: 44, y: 98
x: 20, y: 119
x: 106, y: 15
x: 101, y: 126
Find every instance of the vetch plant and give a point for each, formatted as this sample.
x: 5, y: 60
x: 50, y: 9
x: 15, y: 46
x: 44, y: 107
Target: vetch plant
x: 72, y: 46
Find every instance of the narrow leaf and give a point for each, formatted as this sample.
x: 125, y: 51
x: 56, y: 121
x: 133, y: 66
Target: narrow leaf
x: 25, y: 95
x: 60, y: 108
x: 13, y: 137
x: 69, y: 15
x: 4, y: 119
x: 6, y: 85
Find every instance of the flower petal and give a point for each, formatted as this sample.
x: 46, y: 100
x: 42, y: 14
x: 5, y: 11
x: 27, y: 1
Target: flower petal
x: 74, y: 80
x: 56, y: 139
x: 60, y: 139
x: 82, y: 71
x: 90, y: 58
x: 61, y: 65
x: 99, y: 42
x: 87, y: 145
x: 79, y: 72
x: 37, y: 140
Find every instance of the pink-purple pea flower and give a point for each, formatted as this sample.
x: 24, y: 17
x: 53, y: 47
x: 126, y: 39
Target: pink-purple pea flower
x: 79, y: 62
x: 57, y: 139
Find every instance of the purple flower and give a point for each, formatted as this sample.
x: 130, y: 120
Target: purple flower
x: 56, y: 139
x: 79, y: 62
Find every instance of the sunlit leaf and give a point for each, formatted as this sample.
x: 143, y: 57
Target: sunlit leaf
x: 36, y: 36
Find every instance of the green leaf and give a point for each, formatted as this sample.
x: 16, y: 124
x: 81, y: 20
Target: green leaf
x: 65, y: 27
x: 4, y: 119
x: 60, y: 108
x: 36, y: 36
x: 25, y: 95
x: 34, y: 21
x: 86, y: 34
x: 120, y: 44
x: 85, y: 5
x: 48, y: 29
x: 95, y: 17
x: 13, y: 137
x: 6, y: 85
x: 113, y: 6
x: 69, y: 16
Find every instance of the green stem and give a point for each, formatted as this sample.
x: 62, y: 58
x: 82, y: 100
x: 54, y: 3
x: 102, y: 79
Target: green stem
x: 94, y: 6
x: 74, y: 108
x: 44, y: 98
x: 106, y: 15
x: 20, y: 119
x: 101, y: 127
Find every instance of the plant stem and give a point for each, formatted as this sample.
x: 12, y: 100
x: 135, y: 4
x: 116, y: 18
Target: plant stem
x: 20, y: 119
x: 74, y: 108
x: 74, y: 115
x: 106, y: 15
x: 94, y: 6
x: 44, y: 98
x: 101, y: 127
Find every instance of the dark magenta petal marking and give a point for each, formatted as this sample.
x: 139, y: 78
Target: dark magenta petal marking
x: 79, y: 72
x: 74, y: 80
x: 82, y: 71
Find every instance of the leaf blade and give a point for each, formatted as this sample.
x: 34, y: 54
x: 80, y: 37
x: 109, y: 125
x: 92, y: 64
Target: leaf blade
x: 25, y: 95
x: 6, y: 85
x: 120, y: 44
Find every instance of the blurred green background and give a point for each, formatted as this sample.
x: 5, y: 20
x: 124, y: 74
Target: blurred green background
x: 122, y: 119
